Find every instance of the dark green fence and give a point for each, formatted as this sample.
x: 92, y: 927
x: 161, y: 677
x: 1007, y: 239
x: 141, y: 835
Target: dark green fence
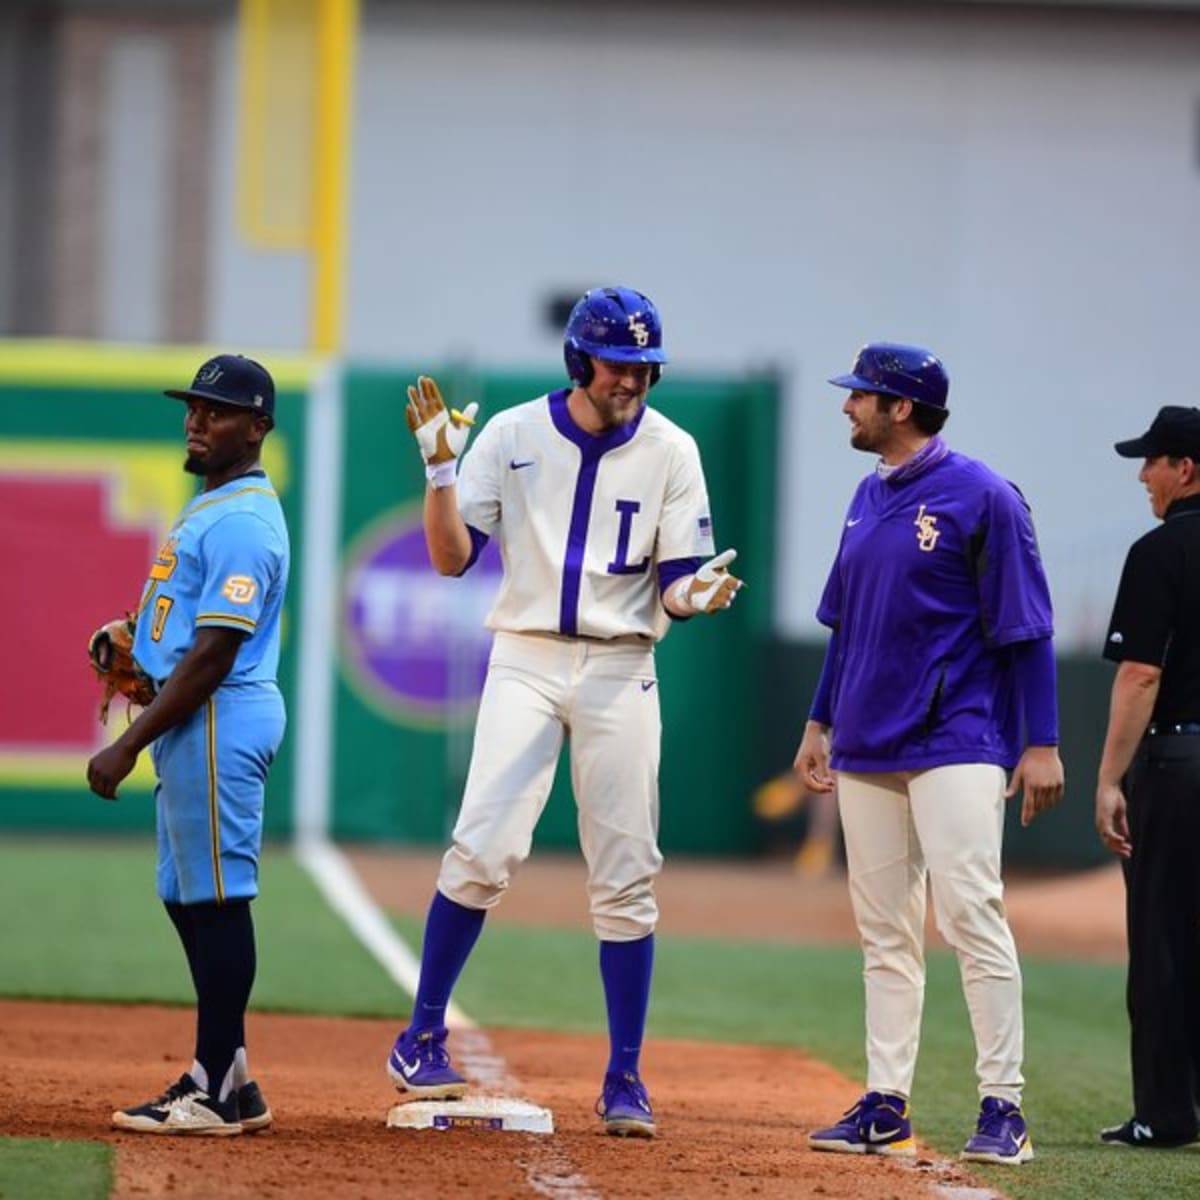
x: 91, y: 477
x: 88, y: 427
x: 400, y: 764
x: 1063, y: 837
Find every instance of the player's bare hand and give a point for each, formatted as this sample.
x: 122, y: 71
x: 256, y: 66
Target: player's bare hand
x: 812, y: 759
x: 106, y: 769
x: 1112, y: 819
x: 441, y: 433
x: 712, y: 588
x: 1040, y: 773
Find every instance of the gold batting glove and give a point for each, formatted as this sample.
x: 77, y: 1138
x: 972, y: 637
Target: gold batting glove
x: 441, y: 433
x: 712, y: 588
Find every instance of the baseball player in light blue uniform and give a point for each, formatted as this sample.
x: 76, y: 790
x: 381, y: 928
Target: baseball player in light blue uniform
x: 207, y: 634
x: 223, y: 543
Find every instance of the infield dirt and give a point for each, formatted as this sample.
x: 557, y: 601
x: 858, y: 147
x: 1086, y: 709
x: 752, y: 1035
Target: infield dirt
x: 732, y: 1118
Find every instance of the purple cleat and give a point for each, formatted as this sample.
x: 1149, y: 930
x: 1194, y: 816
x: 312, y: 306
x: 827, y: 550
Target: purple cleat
x: 877, y: 1124
x: 625, y: 1106
x: 420, y: 1064
x: 1001, y: 1135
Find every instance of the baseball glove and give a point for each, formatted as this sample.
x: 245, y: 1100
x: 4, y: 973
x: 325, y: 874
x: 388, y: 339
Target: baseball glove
x: 110, y: 651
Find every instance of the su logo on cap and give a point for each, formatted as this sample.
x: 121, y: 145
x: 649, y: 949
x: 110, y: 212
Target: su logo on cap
x: 240, y: 589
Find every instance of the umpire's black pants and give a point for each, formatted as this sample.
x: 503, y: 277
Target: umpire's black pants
x: 1162, y: 912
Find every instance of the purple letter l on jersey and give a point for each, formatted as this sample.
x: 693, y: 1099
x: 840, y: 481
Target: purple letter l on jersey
x: 621, y: 564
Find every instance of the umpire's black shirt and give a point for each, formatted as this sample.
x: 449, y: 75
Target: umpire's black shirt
x: 1156, y: 616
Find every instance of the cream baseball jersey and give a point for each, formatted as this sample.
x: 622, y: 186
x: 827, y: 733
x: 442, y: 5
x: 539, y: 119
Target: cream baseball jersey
x: 592, y: 528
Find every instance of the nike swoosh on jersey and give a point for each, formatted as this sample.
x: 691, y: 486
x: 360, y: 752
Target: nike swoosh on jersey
x: 514, y: 465
x: 647, y: 684
x: 850, y: 524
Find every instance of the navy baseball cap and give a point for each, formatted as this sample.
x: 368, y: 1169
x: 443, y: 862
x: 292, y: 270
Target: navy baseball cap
x: 232, y: 379
x: 1174, y: 432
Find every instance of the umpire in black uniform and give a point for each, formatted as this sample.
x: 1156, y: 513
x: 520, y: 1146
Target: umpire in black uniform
x: 1148, y: 790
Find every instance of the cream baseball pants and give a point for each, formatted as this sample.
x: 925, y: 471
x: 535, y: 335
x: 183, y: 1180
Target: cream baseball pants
x: 603, y: 695
x: 944, y: 824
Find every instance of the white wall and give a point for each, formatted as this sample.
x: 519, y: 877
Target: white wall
x: 135, y: 191
x: 1018, y: 189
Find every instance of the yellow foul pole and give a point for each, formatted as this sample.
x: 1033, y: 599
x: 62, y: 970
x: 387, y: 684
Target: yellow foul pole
x: 337, y: 26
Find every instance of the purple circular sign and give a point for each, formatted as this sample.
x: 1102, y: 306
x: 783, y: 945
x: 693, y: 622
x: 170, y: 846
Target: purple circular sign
x: 415, y: 644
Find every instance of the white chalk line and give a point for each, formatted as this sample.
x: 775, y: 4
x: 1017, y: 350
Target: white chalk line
x: 549, y: 1170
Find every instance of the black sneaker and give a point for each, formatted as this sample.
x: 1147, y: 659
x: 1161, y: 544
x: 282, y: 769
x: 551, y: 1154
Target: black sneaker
x: 1141, y: 1133
x: 252, y: 1108
x: 184, y: 1108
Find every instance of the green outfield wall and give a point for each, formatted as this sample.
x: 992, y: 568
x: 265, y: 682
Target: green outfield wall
x: 404, y: 729
x: 90, y: 479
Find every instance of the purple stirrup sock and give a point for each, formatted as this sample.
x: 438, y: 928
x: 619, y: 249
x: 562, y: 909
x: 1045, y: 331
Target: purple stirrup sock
x: 451, y: 931
x: 626, y: 968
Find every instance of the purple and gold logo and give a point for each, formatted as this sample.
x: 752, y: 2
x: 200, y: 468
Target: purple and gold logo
x: 415, y: 646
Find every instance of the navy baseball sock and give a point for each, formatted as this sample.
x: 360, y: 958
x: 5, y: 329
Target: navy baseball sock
x: 224, y: 970
x: 451, y: 931
x: 626, y: 968
x: 181, y: 919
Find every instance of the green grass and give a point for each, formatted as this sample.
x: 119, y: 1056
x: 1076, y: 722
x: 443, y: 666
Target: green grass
x: 41, y: 1169
x: 82, y: 921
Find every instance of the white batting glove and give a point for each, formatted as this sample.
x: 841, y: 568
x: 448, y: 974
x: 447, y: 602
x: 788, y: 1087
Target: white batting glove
x: 441, y: 433
x: 712, y: 588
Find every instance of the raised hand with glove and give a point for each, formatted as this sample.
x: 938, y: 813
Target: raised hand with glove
x: 711, y: 589
x: 441, y: 433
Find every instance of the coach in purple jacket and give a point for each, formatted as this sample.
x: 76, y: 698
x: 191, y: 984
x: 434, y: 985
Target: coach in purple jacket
x: 939, y: 678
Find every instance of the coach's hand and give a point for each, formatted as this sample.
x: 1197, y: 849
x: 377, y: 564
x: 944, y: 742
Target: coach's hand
x: 441, y: 433
x: 712, y: 588
x: 106, y: 769
x: 812, y: 759
x: 1041, y: 772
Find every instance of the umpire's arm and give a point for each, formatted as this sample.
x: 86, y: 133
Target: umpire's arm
x: 1134, y: 692
x: 193, y: 681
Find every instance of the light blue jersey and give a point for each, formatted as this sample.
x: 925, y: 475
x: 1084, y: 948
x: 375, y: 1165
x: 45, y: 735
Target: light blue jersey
x: 224, y: 563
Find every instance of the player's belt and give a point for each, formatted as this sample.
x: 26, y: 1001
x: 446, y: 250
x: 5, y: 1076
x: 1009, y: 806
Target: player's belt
x: 621, y: 639
x: 1167, y: 728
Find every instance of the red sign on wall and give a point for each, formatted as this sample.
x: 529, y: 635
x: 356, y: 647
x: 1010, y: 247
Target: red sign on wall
x: 70, y: 564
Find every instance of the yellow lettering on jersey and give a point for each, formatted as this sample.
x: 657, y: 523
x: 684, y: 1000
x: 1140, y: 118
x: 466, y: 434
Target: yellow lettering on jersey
x: 165, y: 563
x: 927, y: 531
x: 240, y: 589
x: 162, y: 606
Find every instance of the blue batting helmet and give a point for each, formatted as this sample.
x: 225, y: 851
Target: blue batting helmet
x: 616, y: 324
x: 897, y: 370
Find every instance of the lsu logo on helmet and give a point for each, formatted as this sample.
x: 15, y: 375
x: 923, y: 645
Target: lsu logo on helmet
x: 239, y: 589
x: 615, y: 324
